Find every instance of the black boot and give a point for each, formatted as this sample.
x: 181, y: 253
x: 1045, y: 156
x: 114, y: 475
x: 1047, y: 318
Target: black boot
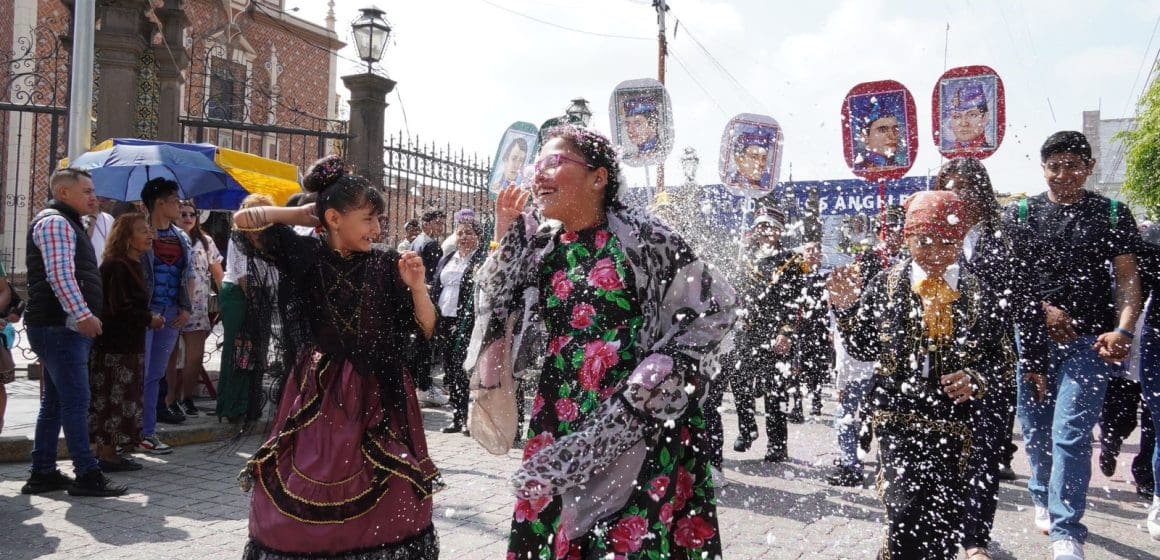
x: 95, y: 484
x: 52, y: 481
x: 776, y: 456
x: 795, y: 416
x: 845, y: 476
x: 744, y: 441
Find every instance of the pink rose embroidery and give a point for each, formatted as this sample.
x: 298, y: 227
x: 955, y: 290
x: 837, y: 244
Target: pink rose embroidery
x: 537, y: 405
x: 692, y: 532
x: 685, y: 483
x: 567, y: 410
x: 667, y: 515
x: 602, y: 238
x: 599, y: 357
x: 569, y: 237
x: 658, y: 488
x: 582, y: 316
x: 558, y: 344
x: 561, y: 285
x: 628, y: 535
x: 562, y: 543
x: 529, y: 510
x: 605, y: 277
x: 537, y: 443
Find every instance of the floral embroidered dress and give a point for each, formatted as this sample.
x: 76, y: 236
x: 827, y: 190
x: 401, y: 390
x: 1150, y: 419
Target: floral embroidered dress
x: 204, y: 255
x: 593, y: 320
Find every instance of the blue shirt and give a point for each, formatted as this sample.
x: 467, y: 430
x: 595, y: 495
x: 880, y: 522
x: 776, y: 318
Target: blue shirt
x: 168, y: 262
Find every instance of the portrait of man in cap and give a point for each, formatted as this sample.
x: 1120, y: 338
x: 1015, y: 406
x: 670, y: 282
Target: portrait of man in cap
x: 966, y: 115
x: 880, y: 131
x: 752, y: 150
x: 642, y: 123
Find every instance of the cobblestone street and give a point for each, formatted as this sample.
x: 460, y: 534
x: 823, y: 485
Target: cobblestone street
x: 188, y: 505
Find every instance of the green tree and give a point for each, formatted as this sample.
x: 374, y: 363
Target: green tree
x: 1142, y: 149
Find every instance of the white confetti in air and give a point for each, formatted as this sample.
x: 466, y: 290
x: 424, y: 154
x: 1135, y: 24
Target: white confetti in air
x: 952, y: 219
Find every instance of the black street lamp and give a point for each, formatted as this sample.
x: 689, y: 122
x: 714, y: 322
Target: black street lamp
x: 371, y: 32
x: 578, y: 112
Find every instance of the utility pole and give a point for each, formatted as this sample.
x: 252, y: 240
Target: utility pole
x: 661, y: 6
x: 80, y: 104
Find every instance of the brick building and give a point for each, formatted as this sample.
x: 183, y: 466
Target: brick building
x: 243, y: 74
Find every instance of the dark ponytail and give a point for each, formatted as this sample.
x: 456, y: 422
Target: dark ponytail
x: 336, y: 188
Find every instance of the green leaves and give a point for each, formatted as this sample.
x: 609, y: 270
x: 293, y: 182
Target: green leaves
x: 1142, y: 149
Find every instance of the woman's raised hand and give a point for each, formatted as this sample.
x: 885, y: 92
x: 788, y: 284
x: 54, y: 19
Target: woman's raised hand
x: 844, y: 287
x: 508, y: 206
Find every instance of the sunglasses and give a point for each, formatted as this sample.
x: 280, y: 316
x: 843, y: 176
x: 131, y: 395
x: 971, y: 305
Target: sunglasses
x: 550, y: 164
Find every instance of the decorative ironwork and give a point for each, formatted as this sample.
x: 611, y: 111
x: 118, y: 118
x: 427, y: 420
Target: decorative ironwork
x: 36, y: 68
x: 34, y: 84
x: 420, y: 176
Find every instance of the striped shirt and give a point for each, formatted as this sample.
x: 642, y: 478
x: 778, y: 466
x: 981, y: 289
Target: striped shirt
x: 57, y: 241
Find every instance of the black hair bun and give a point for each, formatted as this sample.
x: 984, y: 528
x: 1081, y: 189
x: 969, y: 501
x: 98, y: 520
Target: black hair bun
x: 324, y: 173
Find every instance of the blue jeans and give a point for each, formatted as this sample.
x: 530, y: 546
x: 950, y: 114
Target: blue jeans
x: 64, y: 398
x: 1057, y: 433
x: 1150, y: 383
x: 159, y: 344
x: 847, y: 422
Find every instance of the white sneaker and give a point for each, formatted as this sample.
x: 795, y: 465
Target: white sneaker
x: 1042, y: 520
x: 1067, y: 549
x: 719, y: 480
x: 154, y: 446
x: 1154, y: 519
x: 433, y: 396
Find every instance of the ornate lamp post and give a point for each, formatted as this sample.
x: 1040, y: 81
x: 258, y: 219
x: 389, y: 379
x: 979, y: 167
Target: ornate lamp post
x: 370, y: 32
x: 578, y: 112
x: 368, y: 97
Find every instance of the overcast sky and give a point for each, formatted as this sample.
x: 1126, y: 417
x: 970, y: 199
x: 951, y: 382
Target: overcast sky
x: 467, y: 68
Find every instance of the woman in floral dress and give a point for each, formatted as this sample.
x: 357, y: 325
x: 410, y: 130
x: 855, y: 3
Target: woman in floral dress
x: 616, y: 460
x: 208, y: 274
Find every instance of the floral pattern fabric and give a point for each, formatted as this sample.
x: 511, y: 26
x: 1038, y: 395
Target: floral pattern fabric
x: 201, y: 284
x: 594, y: 322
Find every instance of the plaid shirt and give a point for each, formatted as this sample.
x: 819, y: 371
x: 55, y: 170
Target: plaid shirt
x: 57, y: 241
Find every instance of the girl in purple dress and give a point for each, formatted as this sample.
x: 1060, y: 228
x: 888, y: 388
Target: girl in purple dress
x: 345, y: 473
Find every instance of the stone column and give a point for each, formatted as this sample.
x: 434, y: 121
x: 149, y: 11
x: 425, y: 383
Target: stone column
x: 368, y: 105
x: 171, y: 60
x: 119, y: 44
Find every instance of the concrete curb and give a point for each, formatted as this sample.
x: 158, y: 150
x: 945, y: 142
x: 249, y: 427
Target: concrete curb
x: 18, y: 449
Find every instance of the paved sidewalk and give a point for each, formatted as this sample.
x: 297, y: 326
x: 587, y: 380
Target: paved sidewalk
x: 187, y: 505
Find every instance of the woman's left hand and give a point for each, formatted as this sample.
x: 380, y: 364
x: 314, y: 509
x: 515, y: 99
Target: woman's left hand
x: 412, y: 269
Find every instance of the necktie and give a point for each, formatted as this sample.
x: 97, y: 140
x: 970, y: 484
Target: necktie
x: 937, y: 316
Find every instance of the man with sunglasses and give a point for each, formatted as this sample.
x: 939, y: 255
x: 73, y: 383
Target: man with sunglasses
x: 1078, y: 236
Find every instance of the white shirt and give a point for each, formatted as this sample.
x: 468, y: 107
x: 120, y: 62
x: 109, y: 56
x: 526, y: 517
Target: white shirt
x: 917, y: 274
x: 101, y: 224
x: 452, y: 279
x: 235, y: 264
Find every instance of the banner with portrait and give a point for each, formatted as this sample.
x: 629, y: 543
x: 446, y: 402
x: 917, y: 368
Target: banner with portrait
x: 879, y: 130
x: 969, y: 110
x: 751, y: 148
x: 642, y: 122
x: 517, y: 150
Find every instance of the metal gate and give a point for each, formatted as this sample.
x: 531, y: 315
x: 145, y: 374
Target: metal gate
x: 427, y: 176
x: 33, y: 130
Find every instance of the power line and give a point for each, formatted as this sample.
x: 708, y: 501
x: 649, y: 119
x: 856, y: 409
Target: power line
x: 564, y: 27
x: 696, y: 81
x: 721, y: 67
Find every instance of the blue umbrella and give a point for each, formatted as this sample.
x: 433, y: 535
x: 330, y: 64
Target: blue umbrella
x: 121, y: 171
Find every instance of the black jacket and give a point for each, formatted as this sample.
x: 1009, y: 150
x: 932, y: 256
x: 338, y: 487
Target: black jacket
x: 885, y: 326
x: 44, y: 308
x: 1002, y: 261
